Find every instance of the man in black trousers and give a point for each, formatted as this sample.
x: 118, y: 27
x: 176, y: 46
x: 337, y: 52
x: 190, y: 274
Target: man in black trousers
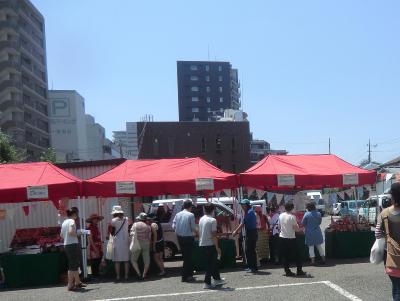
x: 184, y: 226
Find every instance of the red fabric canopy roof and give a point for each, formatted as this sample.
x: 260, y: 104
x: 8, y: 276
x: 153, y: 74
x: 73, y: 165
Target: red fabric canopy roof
x: 160, y: 177
x: 16, y: 178
x: 307, y: 171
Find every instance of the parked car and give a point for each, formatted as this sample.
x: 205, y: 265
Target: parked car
x: 373, y: 206
x: 351, y: 207
x: 223, y: 213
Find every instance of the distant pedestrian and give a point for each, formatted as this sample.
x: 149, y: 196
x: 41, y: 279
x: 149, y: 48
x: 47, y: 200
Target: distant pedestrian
x: 120, y: 247
x: 208, y: 242
x: 71, y: 247
x: 274, y: 233
x: 185, y: 229
x: 249, y: 223
x: 313, y: 234
x: 95, y: 243
x: 287, y: 241
x: 388, y: 226
x: 157, y: 240
x: 142, y: 232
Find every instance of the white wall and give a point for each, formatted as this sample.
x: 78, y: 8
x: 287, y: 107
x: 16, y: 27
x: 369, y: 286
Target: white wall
x: 68, y: 124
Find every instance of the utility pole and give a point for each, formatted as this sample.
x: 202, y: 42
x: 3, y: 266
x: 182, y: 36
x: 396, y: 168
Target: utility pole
x: 369, y: 150
x: 329, y: 145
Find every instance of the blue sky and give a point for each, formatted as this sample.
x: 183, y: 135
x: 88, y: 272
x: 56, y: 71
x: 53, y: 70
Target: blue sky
x: 310, y: 70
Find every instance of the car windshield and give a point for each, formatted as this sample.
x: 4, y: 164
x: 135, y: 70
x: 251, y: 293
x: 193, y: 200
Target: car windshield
x: 352, y: 205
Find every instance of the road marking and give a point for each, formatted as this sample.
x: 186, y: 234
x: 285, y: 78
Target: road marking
x: 342, y: 291
x: 335, y: 287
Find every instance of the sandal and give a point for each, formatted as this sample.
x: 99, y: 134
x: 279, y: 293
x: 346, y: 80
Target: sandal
x: 81, y: 285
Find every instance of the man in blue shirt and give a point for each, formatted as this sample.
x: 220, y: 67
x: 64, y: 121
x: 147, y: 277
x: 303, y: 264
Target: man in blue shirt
x: 249, y: 222
x: 185, y: 229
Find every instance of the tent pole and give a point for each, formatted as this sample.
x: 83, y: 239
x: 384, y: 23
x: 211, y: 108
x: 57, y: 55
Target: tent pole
x: 84, y: 239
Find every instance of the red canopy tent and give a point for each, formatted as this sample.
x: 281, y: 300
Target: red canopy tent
x: 160, y: 177
x: 36, y: 181
x: 305, y: 172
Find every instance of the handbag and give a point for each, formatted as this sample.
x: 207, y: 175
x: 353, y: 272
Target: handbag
x: 135, y: 245
x: 110, y: 244
x: 377, y: 251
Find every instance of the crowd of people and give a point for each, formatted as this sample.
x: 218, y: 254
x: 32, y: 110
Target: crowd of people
x: 145, y: 237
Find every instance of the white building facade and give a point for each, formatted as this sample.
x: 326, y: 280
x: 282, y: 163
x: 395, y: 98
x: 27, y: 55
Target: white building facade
x: 75, y: 136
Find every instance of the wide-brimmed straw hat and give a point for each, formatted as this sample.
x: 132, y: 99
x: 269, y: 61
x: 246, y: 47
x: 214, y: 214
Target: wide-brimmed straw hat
x: 117, y: 209
x: 94, y: 216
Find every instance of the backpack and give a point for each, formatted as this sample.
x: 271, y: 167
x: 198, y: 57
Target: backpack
x: 393, y: 247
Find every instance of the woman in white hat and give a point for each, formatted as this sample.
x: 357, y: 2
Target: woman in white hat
x: 121, y: 242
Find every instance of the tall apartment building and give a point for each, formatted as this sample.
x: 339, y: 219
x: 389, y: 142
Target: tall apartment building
x: 23, y: 77
x: 206, y: 90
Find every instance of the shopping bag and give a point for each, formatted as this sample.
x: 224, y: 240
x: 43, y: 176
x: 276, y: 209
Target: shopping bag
x: 109, y: 251
x: 377, y: 251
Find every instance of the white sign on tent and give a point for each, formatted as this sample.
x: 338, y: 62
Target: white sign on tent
x: 126, y: 187
x: 286, y: 180
x: 350, y: 179
x: 37, y: 192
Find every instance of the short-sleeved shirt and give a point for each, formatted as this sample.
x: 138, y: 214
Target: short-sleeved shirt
x: 250, y: 220
x: 207, y: 226
x: 274, y: 223
x: 286, y: 223
x: 184, y: 224
x: 65, y: 228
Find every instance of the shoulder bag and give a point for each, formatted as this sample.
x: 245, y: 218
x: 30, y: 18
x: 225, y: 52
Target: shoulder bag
x: 110, y: 244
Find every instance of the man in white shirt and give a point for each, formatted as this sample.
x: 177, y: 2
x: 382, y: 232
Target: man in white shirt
x: 208, y: 242
x: 288, y: 246
x: 185, y: 229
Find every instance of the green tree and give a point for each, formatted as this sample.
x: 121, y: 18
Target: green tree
x: 8, y: 152
x: 49, y: 155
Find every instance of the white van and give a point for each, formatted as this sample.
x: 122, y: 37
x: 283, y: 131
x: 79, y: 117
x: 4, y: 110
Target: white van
x: 223, y: 213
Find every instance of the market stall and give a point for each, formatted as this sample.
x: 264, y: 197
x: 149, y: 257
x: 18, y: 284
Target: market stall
x: 295, y: 173
x: 36, y: 255
x: 135, y: 178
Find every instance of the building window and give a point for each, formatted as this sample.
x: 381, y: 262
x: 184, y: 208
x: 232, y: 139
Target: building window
x: 233, y: 144
x: 209, y: 119
x: 195, y: 119
x: 220, y: 68
x: 203, y: 145
x: 220, y: 78
x: 207, y: 78
x: 218, y: 142
x: 220, y: 89
x: 156, y: 147
x: 194, y: 78
x: 221, y: 99
x: 234, y: 168
x: 207, y: 68
x: 194, y: 89
x: 208, y: 99
x: 195, y: 110
x: 193, y: 67
x: 221, y: 110
x: 208, y: 89
x: 208, y: 110
x: 195, y: 98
